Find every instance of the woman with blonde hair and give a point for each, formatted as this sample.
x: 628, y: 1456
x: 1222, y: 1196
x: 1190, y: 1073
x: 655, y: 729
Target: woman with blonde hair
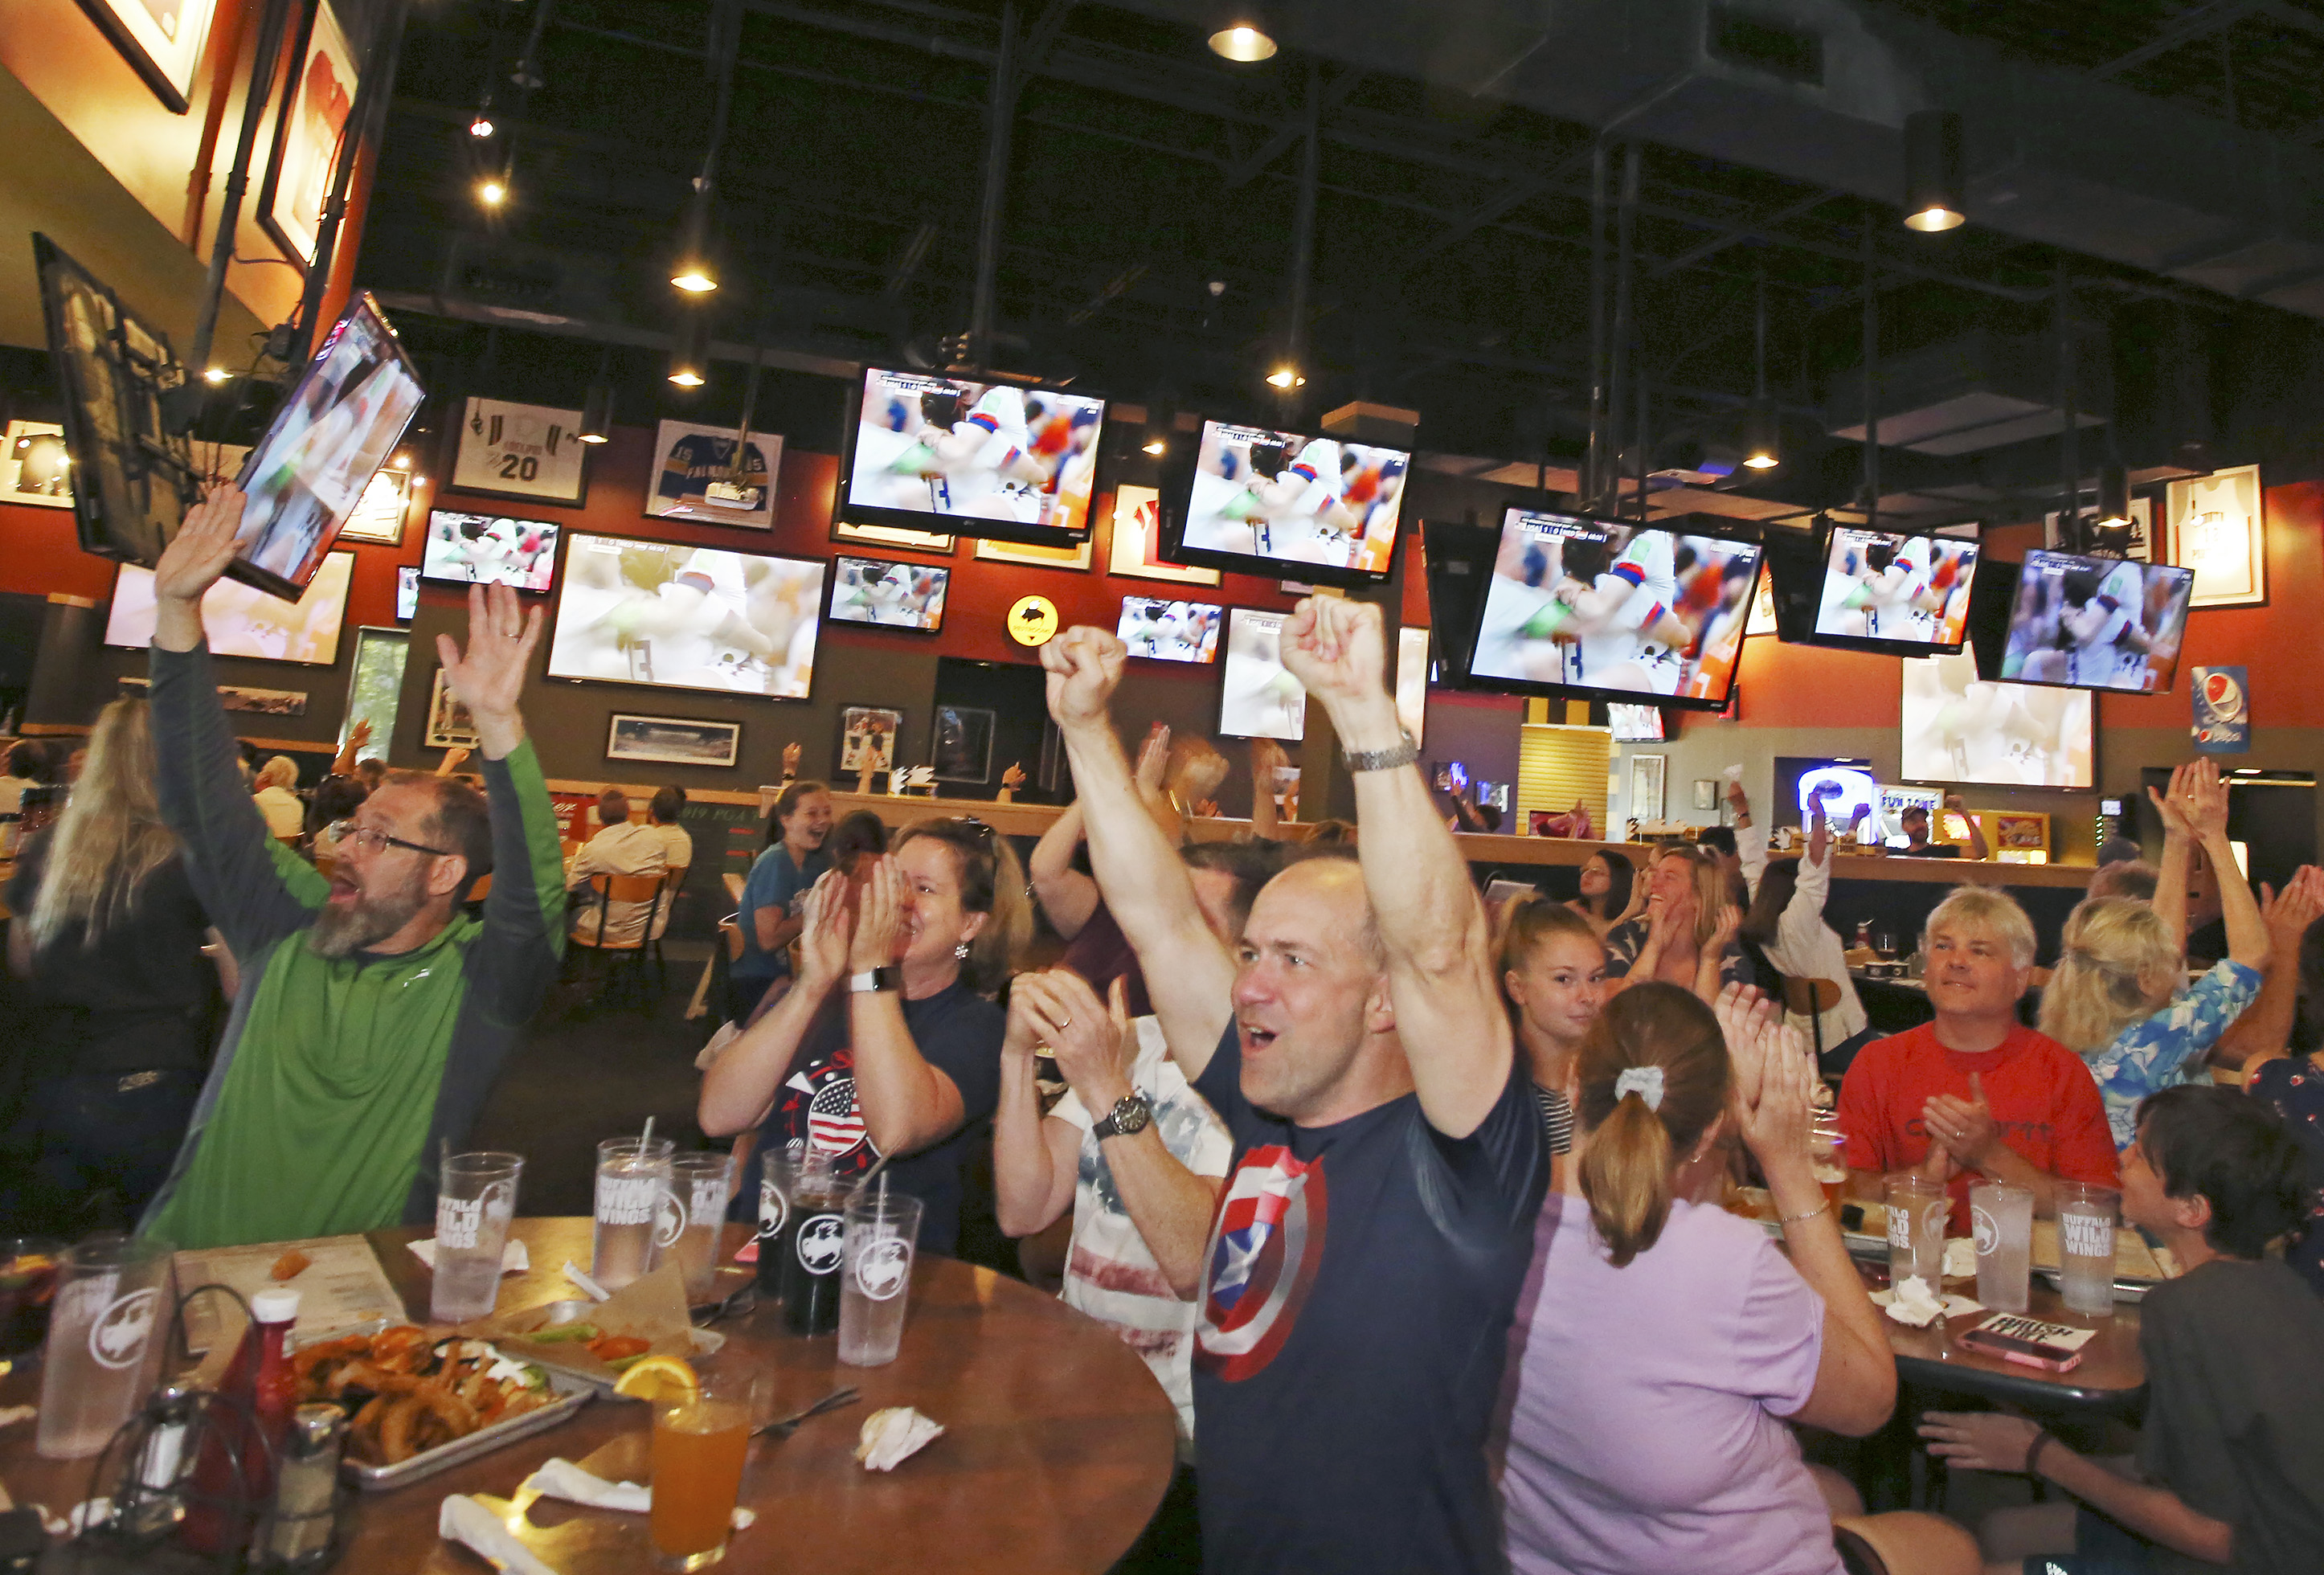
x: 1686, y: 936
x: 1553, y: 980
x: 2119, y: 997
x: 277, y: 799
x: 109, y: 936
x: 1662, y: 1345
x: 889, y: 1044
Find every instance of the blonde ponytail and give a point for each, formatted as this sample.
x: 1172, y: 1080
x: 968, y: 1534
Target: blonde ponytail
x: 1639, y: 1126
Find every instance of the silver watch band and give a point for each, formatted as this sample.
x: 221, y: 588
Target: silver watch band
x: 1387, y: 760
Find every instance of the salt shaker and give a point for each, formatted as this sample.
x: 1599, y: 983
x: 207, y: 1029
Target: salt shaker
x: 297, y: 1534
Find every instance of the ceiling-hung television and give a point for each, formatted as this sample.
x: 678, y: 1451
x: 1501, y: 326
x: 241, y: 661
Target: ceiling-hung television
x: 1258, y: 695
x: 889, y: 596
x: 1457, y: 556
x: 998, y: 460
x: 1959, y: 728
x: 678, y: 617
x: 1170, y: 631
x: 1892, y: 591
x: 2096, y: 624
x: 240, y: 620
x: 1288, y: 506
x: 330, y: 434
x: 1635, y: 723
x: 1614, y: 610
x: 486, y: 550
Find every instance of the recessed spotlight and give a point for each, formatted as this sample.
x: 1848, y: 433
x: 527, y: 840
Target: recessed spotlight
x: 1242, y: 44
x: 491, y: 193
x: 695, y: 278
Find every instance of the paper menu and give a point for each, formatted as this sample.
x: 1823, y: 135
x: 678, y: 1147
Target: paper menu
x: 343, y: 1285
x: 2133, y: 1258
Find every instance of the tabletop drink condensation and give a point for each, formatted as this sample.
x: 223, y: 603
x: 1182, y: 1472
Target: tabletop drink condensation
x: 699, y: 1184
x: 106, y: 1337
x: 882, y: 1234
x: 1917, y: 1208
x: 700, y: 1443
x: 476, y: 1199
x: 2086, y: 1226
x: 633, y: 1188
x: 2003, y: 1218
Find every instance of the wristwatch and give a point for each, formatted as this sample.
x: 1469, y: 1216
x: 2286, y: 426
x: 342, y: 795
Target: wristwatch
x: 1130, y: 1116
x: 1387, y: 760
x: 875, y: 979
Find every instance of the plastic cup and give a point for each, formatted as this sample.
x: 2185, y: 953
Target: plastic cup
x: 115, y: 1298
x: 701, y: 1184
x: 1917, y: 1208
x: 883, y: 1229
x: 781, y: 1170
x: 28, y: 1283
x: 2003, y: 1218
x: 632, y: 1206
x: 476, y: 1199
x: 2086, y: 1225
x: 700, y: 1443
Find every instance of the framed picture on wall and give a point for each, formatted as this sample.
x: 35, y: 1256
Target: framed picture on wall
x: 307, y: 134
x: 450, y: 725
x: 162, y: 39
x: 376, y: 684
x: 1647, y: 786
x: 2218, y: 528
x: 521, y: 451
x: 2140, y: 544
x: 888, y: 536
x: 867, y: 740
x: 1076, y: 558
x: 379, y: 512
x: 960, y: 744
x: 34, y: 467
x: 697, y: 476
x: 674, y: 739
x: 1135, y: 548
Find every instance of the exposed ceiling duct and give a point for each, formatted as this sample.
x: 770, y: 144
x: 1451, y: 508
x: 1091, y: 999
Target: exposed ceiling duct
x: 1818, y: 90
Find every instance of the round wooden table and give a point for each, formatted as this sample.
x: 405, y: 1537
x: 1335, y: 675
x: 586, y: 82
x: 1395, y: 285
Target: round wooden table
x: 1057, y: 1444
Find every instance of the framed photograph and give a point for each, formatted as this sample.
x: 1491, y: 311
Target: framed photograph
x: 2141, y: 546
x: 697, y: 476
x: 521, y: 451
x: 1076, y: 558
x: 889, y: 536
x: 961, y: 746
x: 1706, y: 793
x: 376, y: 684
x: 307, y: 130
x: 162, y: 39
x: 34, y: 467
x: 1136, y: 546
x: 867, y: 741
x: 379, y: 513
x: 264, y: 702
x: 1647, y: 786
x: 450, y: 725
x: 2218, y: 528
x: 674, y: 739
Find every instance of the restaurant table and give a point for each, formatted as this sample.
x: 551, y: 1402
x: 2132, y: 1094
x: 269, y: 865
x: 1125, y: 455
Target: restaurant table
x: 1058, y: 1445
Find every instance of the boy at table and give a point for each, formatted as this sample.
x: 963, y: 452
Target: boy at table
x: 1974, y: 1094
x: 2230, y: 1464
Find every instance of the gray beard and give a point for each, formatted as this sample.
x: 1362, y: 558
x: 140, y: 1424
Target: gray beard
x: 340, y: 933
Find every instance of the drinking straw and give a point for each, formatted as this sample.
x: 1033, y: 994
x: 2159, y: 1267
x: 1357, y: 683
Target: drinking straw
x: 646, y: 1142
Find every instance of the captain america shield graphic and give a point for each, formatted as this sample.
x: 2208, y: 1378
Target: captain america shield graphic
x: 1265, y: 1250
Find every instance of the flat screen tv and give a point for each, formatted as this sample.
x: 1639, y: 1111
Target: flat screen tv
x: 1887, y: 591
x: 997, y: 460
x: 1170, y: 631
x: 1959, y: 728
x: 330, y: 434
x: 474, y: 549
x: 243, y: 621
x: 679, y: 617
x: 407, y: 593
x: 2096, y: 624
x: 1577, y: 605
x: 889, y: 596
x: 1286, y: 505
x: 1635, y: 723
x: 1258, y: 695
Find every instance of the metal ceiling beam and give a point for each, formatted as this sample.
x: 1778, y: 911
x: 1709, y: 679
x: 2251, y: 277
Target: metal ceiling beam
x: 2188, y: 27
x: 1288, y: 130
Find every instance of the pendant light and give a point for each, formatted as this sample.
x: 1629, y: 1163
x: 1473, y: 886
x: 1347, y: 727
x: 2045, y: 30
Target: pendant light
x: 689, y: 349
x: 1935, y: 197
x: 1760, y: 451
x: 597, y: 410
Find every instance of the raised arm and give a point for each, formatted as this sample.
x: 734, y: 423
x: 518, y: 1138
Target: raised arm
x: 907, y: 1102
x: 2178, y: 841
x: 357, y: 736
x: 1189, y: 976
x: 2207, y: 815
x: 740, y: 1087
x: 1266, y: 755
x: 1431, y: 923
x: 2265, y: 1030
x: 1035, y: 1158
x: 1065, y: 895
x: 1977, y: 844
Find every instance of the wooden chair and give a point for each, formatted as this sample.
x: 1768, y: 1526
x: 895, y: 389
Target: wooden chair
x: 1811, y: 998
x: 648, y: 890
x: 1904, y: 1542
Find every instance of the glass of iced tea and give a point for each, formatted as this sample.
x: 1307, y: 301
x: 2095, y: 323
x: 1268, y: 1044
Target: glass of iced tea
x: 28, y: 1283
x: 699, y: 1443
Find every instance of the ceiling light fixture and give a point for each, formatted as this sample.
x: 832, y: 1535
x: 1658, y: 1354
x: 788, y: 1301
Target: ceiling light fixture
x: 492, y: 191
x: 217, y: 374
x: 482, y: 126
x: 1285, y: 377
x: 689, y: 349
x: 1154, y: 447
x: 694, y: 274
x: 597, y: 409
x: 2114, y: 497
x: 1760, y: 451
x: 1935, y: 197
x: 1242, y: 42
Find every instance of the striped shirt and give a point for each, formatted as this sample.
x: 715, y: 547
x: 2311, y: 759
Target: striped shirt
x: 1557, y: 1116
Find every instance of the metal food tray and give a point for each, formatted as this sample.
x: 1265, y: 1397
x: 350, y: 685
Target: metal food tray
x: 572, y: 1395
x: 706, y: 1342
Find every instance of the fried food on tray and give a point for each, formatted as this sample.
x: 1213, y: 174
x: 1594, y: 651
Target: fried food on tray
x: 290, y: 1265
x: 407, y: 1394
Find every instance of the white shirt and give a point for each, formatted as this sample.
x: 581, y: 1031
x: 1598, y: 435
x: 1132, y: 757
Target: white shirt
x: 628, y: 848
x: 286, y: 817
x: 1805, y: 946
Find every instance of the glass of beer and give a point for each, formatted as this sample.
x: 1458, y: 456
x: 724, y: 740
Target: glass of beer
x: 882, y: 1234
x: 699, y: 1182
x: 633, y: 1188
x: 699, y: 1443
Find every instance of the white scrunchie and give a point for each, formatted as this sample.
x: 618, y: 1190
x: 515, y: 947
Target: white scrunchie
x: 1645, y: 1082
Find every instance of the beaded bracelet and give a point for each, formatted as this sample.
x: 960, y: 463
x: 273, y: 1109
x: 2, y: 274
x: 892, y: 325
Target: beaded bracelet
x: 1812, y: 1213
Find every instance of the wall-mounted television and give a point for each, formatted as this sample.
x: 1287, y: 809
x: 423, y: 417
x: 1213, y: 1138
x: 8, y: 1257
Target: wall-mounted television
x: 2096, y: 624
x: 407, y: 593
x: 1258, y: 695
x: 1170, y: 631
x: 1577, y: 605
x: 481, y: 550
x: 889, y: 596
x: 1635, y: 723
x: 679, y: 617
x: 1892, y: 592
x: 1289, y: 505
x: 1959, y: 728
x: 998, y: 460
x: 243, y: 621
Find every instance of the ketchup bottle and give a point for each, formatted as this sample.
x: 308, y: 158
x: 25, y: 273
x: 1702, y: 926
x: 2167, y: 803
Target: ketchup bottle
x: 237, y: 1458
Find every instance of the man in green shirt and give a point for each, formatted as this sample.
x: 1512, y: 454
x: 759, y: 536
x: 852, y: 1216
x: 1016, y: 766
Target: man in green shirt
x: 374, y: 1011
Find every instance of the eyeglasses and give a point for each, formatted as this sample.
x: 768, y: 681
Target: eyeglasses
x: 982, y: 833
x: 371, y: 840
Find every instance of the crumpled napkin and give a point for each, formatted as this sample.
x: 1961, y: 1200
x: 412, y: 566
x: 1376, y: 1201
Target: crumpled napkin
x: 560, y: 1479
x: 464, y: 1520
x: 1960, y: 1258
x: 514, y: 1258
x: 1913, y: 1303
x: 893, y: 1435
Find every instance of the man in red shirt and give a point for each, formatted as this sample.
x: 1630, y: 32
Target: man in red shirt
x: 1976, y: 1094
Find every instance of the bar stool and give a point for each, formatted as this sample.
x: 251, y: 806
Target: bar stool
x: 1811, y: 998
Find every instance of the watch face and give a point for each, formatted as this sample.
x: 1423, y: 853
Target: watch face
x: 1131, y: 1115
